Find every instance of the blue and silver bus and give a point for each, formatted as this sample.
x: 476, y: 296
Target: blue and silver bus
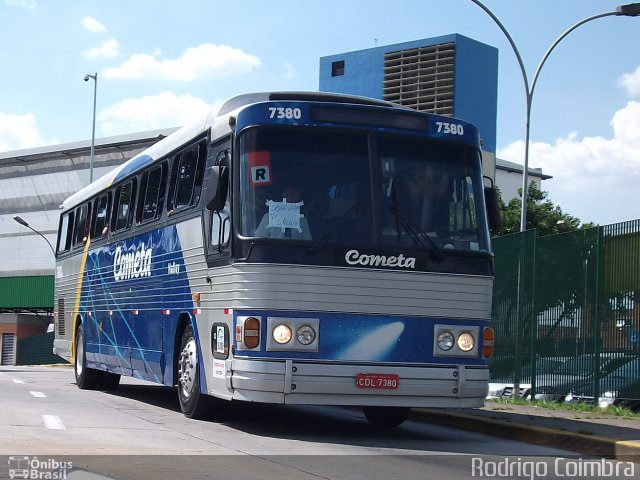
x: 291, y: 248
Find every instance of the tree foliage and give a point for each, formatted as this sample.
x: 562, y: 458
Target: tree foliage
x: 542, y: 214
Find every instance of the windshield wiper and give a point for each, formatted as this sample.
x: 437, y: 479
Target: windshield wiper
x: 418, y: 235
x: 321, y: 241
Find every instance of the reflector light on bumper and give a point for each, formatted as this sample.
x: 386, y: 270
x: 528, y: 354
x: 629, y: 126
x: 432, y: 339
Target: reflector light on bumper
x: 488, y: 337
x: 248, y: 333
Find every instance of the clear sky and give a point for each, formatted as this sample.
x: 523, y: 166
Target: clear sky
x: 161, y: 62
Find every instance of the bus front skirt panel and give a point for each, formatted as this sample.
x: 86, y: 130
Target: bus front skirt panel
x: 294, y: 382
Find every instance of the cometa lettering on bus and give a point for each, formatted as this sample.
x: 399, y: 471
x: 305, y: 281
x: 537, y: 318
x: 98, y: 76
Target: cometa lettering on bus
x: 133, y: 264
x: 354, y: 257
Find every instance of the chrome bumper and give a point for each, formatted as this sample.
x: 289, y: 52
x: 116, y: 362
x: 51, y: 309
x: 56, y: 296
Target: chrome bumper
x: 296, y: 382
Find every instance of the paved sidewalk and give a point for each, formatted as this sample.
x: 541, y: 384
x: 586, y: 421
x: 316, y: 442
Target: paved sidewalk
x: 598, y: 434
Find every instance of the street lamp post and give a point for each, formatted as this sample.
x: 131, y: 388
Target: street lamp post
x: 630, y: 10
x: 24, y: 223
x: 93, y: 128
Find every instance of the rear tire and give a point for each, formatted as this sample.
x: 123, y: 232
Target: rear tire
x: 86, y: 378
x: 193, y: 403
x: 386, y: 416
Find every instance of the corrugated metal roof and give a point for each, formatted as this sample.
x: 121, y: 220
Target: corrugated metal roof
x: 65, y: 149
x: 26, y: 293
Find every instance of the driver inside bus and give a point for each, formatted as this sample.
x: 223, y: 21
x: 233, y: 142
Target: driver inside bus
x: 284, y: 219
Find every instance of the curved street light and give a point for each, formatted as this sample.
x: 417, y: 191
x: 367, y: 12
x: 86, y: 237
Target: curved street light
x: 24, y: 223
x: 630, y: 10
x: 93, y: 129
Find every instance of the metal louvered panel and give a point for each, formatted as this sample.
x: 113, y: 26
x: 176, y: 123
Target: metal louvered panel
x: 61, y: 318
x: 421, y: 78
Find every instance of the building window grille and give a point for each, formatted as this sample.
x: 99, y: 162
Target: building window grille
x: 421, y: 78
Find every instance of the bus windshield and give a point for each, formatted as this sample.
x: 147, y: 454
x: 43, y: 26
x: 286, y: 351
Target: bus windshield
x: 361, y: 189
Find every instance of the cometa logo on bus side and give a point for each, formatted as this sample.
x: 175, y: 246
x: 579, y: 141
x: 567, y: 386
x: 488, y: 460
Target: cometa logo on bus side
x: 354, y: 257
x: 135, y: 264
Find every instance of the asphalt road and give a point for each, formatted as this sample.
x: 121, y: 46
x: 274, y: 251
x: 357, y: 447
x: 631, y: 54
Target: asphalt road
x: 138, y: 431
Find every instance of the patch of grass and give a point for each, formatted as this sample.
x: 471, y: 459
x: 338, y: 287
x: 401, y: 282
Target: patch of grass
x: 622, y: 412
x: 612, y: 410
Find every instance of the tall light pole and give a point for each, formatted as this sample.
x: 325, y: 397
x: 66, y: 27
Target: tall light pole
x: 93, y: 128
x: 24, y: 223
x: 631, y: 10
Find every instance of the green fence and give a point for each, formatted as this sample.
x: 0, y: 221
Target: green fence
x: 565, y: 314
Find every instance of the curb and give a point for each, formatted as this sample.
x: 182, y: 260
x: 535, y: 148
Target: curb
x: 46, y: 365
x: 574, y: 441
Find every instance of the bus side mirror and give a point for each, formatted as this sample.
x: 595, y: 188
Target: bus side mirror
x: 217, y: 189
x: 493, y: 208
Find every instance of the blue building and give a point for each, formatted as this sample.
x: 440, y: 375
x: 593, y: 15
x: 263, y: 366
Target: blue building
x: 450, y: 75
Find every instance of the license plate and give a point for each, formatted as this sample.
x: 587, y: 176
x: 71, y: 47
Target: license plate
x: 378, y: 381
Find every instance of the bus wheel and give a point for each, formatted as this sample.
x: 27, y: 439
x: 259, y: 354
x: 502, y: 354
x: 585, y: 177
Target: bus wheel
x: 193, y: 403
x: 86, y: 378
x: 386, y: 416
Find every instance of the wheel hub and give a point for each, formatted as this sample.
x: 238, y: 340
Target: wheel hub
x: 187, y: 367
x: 79, y: 355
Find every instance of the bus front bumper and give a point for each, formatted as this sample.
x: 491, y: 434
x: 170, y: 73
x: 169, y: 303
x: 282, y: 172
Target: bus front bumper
x: 304, y: 383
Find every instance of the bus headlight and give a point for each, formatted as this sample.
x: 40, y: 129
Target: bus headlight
x: 306, y: 335
x: 293, y: 334
x: 466, y: 342
x: 282, y: 334
x: 445, y: 341
x: 460, y: 341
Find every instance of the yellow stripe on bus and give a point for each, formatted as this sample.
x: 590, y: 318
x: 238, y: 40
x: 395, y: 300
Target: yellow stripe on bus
x: 76, y: 307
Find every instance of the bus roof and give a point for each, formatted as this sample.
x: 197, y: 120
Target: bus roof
x: 218, y: 122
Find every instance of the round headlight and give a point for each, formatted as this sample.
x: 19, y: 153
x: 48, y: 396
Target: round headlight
x: 282, y: 334
x: 445, y: 341
x: 466, y: 342
x: 306, y: 335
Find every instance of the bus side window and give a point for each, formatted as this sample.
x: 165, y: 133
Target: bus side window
x: 101, y: 216
x: 187, y: 177
x: 82, y: 224
x: 123, y: 207
x: 152, y: 194
x: 65, y: 232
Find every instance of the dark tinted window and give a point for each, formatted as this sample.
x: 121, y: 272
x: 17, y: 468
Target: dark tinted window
x: 101, y: 216
x: 152, y: 195
x: 305, y: 185
x: 81, y: 224
x: 64, y: 232
x: 124, y: 206
x: 187, y: 177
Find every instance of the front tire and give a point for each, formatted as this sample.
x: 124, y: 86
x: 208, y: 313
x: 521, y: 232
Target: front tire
x: 193, y: 403
x: 86, y: 378
x: 386, y: 416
